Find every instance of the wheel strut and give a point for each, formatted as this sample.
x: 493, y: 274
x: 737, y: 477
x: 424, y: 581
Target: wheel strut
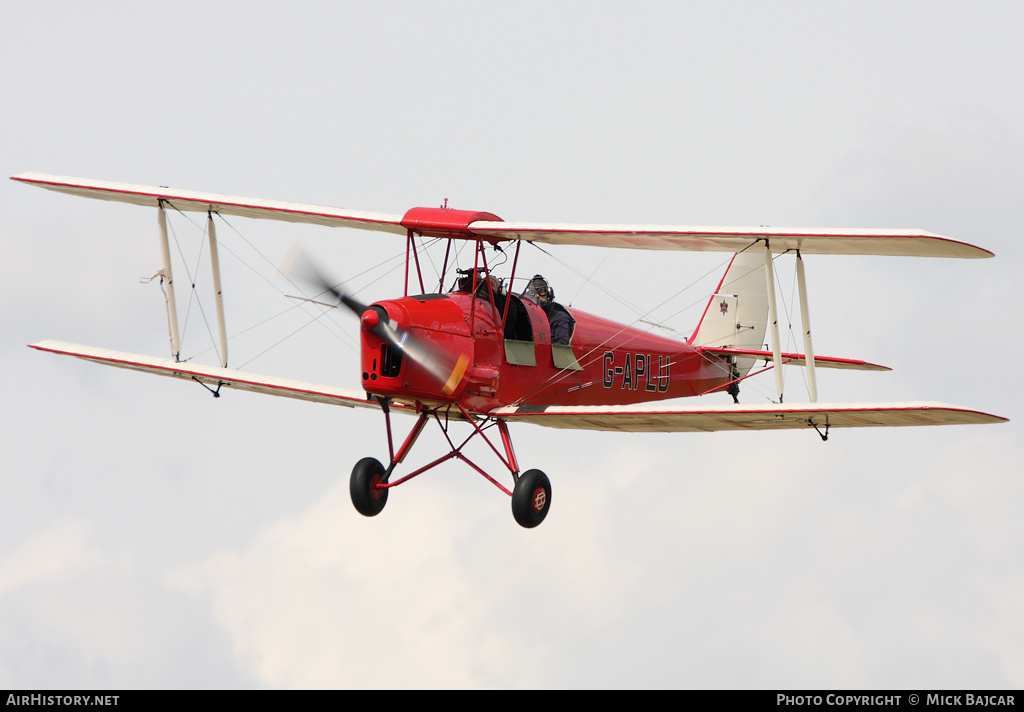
x: 370, y: 482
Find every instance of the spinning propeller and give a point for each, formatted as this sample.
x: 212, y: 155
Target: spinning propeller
x: 376, y: 320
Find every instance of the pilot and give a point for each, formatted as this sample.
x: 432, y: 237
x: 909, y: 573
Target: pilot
x: 559, y: 318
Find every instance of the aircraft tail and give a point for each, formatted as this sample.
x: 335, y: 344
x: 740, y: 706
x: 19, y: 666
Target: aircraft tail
x: 736, y: 316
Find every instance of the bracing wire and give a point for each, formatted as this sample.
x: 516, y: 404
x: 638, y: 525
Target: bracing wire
x: 396, y: 261
x: 562, y: 374
x: 332, y: 327
x: 588, y: 279
x: 193, y: 294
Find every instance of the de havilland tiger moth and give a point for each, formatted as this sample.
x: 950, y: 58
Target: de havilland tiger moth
x: 481, y: 354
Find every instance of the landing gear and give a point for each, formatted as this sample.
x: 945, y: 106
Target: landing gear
x: 531, y: 498
x: 368, y: 498
x: 531, y: 494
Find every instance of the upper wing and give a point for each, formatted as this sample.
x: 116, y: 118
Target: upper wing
x: 662, y: 417
x: 908, y: 243
x: 223, y: 204
x: 215, y: 376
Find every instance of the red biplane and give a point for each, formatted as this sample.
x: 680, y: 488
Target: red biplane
x: 482, y: 354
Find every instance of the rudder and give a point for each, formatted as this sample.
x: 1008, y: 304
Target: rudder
x: 736, y: 316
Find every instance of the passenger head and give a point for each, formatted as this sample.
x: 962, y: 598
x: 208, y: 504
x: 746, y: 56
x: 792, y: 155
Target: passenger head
x: 483, y: 280
x: 495, y: 285
x: 466, y: 280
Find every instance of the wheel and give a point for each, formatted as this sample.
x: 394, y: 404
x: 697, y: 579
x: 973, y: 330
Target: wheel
x: 531, y: 498
x: 368, y: 500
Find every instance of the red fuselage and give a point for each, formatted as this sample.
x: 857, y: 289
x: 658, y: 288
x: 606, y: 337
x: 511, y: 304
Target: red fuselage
x: 606, y: 363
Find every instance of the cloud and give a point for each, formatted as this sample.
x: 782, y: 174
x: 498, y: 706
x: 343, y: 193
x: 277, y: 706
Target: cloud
x: 55, y: 554
x: 328, y: 599
x: 77, y: 616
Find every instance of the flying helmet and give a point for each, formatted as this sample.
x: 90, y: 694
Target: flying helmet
x: 539, y: 289
x: 465, y: 282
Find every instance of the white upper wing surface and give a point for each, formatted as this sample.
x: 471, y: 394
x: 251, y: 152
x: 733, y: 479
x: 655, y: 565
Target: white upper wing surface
x: 824, y: 241
x: 908, y: 243
x: 223, y: 204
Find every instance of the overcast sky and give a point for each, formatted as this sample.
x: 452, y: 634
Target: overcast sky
x: 151, y: 536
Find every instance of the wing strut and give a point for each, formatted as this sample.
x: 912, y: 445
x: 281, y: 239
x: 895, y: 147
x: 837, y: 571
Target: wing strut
x: 773, y: 317
x: 215, y: 267
x: 168, y: 281
x: 805, y: 319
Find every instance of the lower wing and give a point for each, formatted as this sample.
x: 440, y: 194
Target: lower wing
x: 214, y: 376
x: 651, y: 417
x: 670, y: 418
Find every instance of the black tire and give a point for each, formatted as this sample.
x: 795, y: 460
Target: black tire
x: 368, y: 500
x: 531, y: 498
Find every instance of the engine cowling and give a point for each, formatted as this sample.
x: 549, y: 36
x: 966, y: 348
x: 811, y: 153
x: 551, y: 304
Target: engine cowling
x: 415, y: 349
